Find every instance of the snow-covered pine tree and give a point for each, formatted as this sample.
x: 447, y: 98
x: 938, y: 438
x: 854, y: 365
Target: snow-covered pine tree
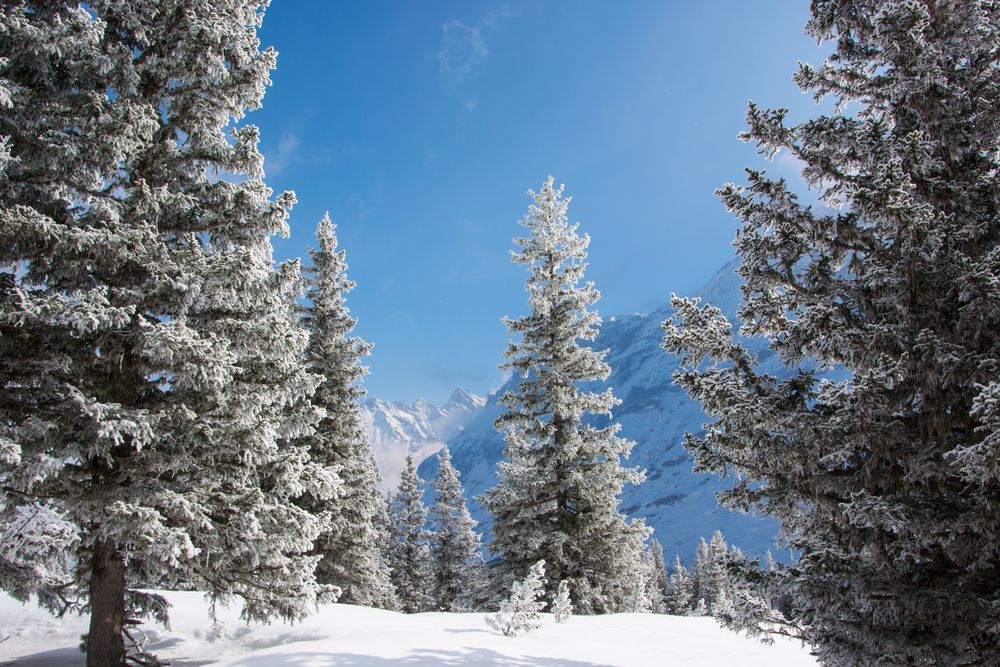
x: 385, y: 529
x: 715, y: 580
x: 412, y: 569
x: 519, y: 613
x: 562, y: 606
x: 884, y: 476
x: 700, y: 608
x: 455, y: 545
x: 658, y: 580
x: 638, y: 601
x: 701, y: 571
x: 680, y: 598
x: 150, y: 357
x: 352, y: 546
x: 558, y: 491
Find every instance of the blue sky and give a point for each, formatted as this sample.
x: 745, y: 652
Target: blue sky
x: 421, y: 125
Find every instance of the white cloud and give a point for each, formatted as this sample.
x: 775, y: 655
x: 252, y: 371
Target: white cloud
x: 463, y: 47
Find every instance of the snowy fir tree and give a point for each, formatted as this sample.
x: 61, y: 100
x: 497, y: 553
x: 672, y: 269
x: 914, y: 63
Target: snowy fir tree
x: 562, y: 606
x: 455, y: 545
x: 412, y: 569
x: 713, y: 580
x: 558, y: 491
x: 638, y: 601
x: 151, y: 360
x: 751, y: 600
x: 352, y: 547
x: 656, y: 577
x: 520, y: 612
x: 701, y: 572
x: 700, y: 608
x: 883, y: 473
x: 680, y: 594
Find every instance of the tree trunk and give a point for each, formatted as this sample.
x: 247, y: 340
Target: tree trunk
x: 105, y: 645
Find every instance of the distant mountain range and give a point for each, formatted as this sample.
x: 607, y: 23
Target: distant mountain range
x: 679, y: 504
x: 396, y: 429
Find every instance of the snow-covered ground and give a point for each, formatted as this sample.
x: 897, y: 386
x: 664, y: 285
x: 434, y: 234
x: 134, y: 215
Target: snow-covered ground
x: 344, y: 635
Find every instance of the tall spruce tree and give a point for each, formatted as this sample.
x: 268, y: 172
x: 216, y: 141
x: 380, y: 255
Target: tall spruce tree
x: 558, y: 491
x: 352, y: 546
x: 701, y: 571
x: 886, y: 482
x: 412, y: 570
x: 455, y: 545
x: 150, y: 359
x: 658, y: 581
x: 681, y: 594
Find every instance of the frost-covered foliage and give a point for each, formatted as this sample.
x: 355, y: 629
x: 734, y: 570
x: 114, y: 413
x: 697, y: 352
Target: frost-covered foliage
x: 656, y: 577
x: 352, y: 544
x: 458, y: 564
x: 152, y: 365
x: 709, y: 574
x: 885, y: 482
x: 410, y: 555
x: 680, y: 598
x: 558, y: 493
x: 718, y: 574
x: 562, y: 606
x: 638, y: 601
x: 755, y: 600
x: 520, y: 612
x: 36, y: 553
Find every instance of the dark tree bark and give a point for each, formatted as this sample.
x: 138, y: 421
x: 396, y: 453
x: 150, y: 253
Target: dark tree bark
x: 105, y: 644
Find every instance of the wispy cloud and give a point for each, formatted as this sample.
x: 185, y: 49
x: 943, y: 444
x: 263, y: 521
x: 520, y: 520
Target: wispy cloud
x: 464, y: 48
x: 277, y: 160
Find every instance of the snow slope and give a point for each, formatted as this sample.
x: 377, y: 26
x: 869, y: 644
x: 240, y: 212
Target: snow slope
x: 343, y: 635
x: 678, y: 503
x: 396, y: 429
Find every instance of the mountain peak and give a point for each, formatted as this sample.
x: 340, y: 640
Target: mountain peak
x: 463, y: 396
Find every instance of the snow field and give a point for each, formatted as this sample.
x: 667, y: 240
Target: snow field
x: 348, y: 636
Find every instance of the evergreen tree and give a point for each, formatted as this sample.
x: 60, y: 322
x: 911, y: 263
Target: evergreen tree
x: 562, y: 606
x: 884, y: 474
x: 412, y: 570
x: 700, y: 609
x: 715, y: 580
x: 701, y: 571
x: 657, y: 581
x: 519, y: 613
x: 638, y: 601
x: 351, y: 545
x: 681, y: 595
x: 152, y: 368
x: 558, y: 493
x: 455, y: 546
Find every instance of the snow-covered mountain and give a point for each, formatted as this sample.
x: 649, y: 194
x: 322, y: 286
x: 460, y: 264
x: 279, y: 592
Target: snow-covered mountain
x: 679, y: 504
x: 396, y: 429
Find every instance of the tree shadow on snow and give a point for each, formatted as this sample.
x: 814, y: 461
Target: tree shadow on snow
x: 60, y: 657
x: 418, y: 658
x: 73, y: 657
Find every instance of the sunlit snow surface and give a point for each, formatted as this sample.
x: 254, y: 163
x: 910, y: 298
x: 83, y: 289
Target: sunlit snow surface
x: 360, y: 637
